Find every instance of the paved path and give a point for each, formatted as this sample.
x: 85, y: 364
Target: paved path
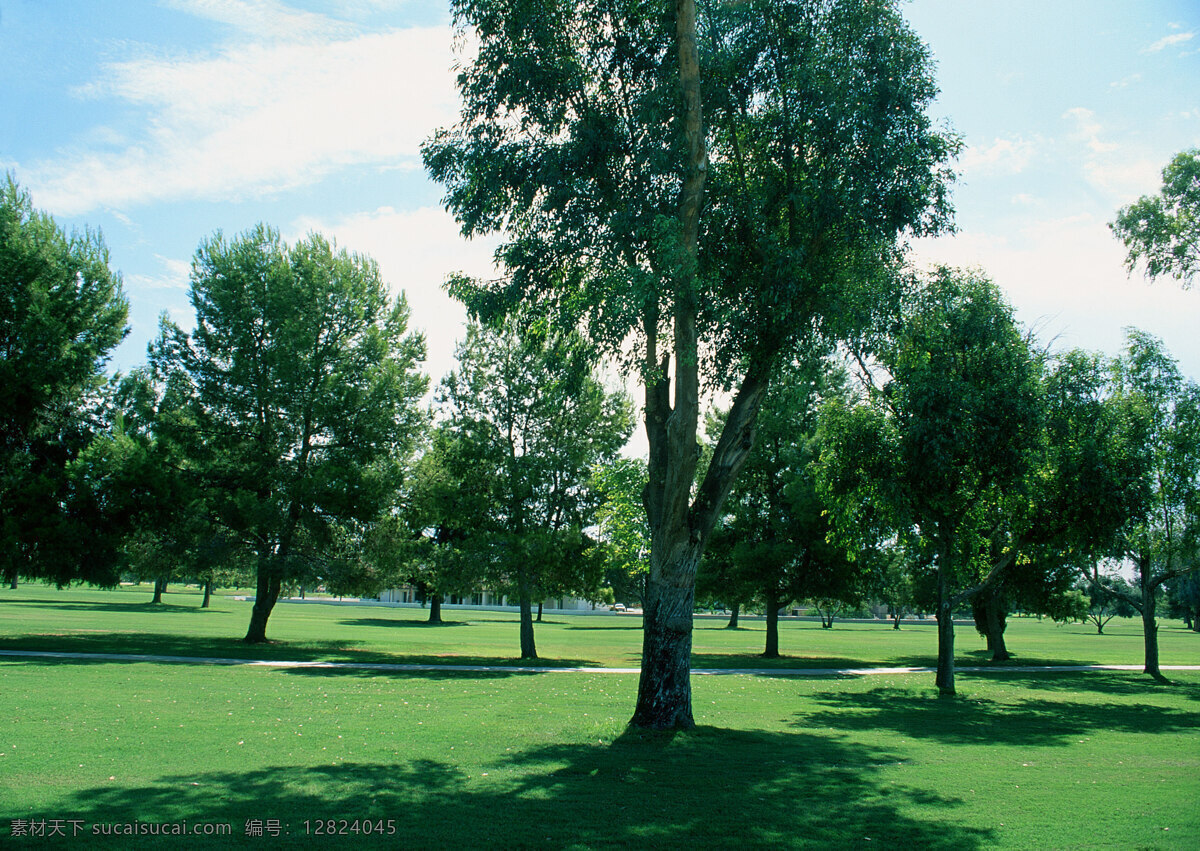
x: 531, y: 669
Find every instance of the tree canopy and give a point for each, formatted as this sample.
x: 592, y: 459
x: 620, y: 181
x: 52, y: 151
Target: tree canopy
x: 1163, y: 231
x: 530, y: 421
x: 62, y: 312
x: 302, y: 388
x: 822, y: 156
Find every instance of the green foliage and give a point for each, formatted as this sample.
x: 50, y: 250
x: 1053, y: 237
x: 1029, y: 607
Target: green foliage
x: 62, y: 311
x: 624, y: 534
x: 1163, y: 231
x: 526, y: 422
x: 299, y: 391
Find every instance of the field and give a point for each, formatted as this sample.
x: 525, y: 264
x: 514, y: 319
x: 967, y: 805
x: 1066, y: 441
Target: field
x: 503, y: 759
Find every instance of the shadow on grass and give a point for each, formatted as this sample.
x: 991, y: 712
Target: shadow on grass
x: 398, y: 623
x: 719, y: 661
x: 200, y: 649
x: 1021, y: 722
x: 708, y: 788
x: 138, y: 606
x: 1102, y: 682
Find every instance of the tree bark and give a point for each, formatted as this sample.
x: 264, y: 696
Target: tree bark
x: 160, y: 586
x: 539, y: 614
x: 208, y: 589
x: 435, y: 608
x: 733, y: 616
x: 945, y: 630
x: 988, y: 610
x: 664, y: 688
x: 528, y: 648
x: 771, y: 651
x: 267, y: 588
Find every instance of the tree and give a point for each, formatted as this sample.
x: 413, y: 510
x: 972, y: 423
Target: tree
x: 943, y: 453
x: 301, y: 397
x: 1161, y: 535
x: 621, y: 525
x: 1163, y: 231
x: 62, y: 312
x: 823, y: 157
x: 531, y: 422
x: 1108, y: 599
x: 773, y: 517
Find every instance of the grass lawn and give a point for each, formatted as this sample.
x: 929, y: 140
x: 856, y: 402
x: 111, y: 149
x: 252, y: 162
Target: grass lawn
x: 497, y: 759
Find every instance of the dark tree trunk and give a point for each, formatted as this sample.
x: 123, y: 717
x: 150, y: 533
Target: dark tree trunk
x: 267, y: 589
x: 12, y: 582
x: 1195, y: 615
x: 208, y: 589
x: 945, y: 630
x: 435, y: 608
x: 528, y: 648
x: 664, y: 688
x: 160, y: 587
x: 988, y: 610
x: 771, y: 651
x: 896, y: 620
x: 733, y: 616
x: 539, y: 614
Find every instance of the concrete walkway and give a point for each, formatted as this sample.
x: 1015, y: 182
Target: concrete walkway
x: 384, y: 667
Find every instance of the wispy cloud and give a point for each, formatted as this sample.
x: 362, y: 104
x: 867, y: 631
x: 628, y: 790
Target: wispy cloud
x: 1088, y: 129
x: 1002, y: 156
x: 268, y: 19
x: 1170, y: 41
x: 255, y: 118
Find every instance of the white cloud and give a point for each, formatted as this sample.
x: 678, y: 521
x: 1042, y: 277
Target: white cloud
x: 1088, y: 129
x: 1170, y: 41
x: 416, y: 250
x: 261, y: 18
x: 258, y: 119
x: 1002, y: 156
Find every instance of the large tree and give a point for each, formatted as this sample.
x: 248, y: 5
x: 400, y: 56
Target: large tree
x: 975, y: 456
x: 62, y: 311
x: 530, y: 420
x: 1162, y: 231
x: 942, y: 453
x: 1160, y: 537
x: 302, y: 388
x: 583, y: 140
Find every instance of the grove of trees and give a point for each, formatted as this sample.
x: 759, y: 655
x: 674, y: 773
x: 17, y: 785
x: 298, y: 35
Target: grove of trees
x: 714, y: 198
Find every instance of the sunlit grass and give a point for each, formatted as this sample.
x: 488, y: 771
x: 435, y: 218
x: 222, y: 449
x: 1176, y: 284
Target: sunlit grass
x: 502, y: 759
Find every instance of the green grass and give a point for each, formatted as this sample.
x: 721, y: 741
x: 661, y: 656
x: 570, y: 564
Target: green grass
x: 499, y: 759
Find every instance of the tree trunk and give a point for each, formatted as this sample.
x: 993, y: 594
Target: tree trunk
x: 988, y: 611
x: 528, y: 648
x: 1150, y: 636
x: 1195, y: 615
x: 896, y: 620
x: 664, y: 688
x: 12, y: 582
x: 733, y: 616
x: 539, y: 614
x: 267, y: 588
x: 435, y: 608
x: 945, y: 630
x: 160, y: 586
x: 208, y: 589
x: 772, y: 649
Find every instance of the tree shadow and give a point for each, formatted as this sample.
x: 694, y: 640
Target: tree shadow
x: 397, y: 623
x: 755, y: 661
x: 707, y: 788
x: 1023, y: 722
x: 124, y: 608
x: 1102, y: 682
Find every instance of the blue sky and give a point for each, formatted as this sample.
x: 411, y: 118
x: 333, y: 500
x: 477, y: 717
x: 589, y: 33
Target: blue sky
x: 162, y: 121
